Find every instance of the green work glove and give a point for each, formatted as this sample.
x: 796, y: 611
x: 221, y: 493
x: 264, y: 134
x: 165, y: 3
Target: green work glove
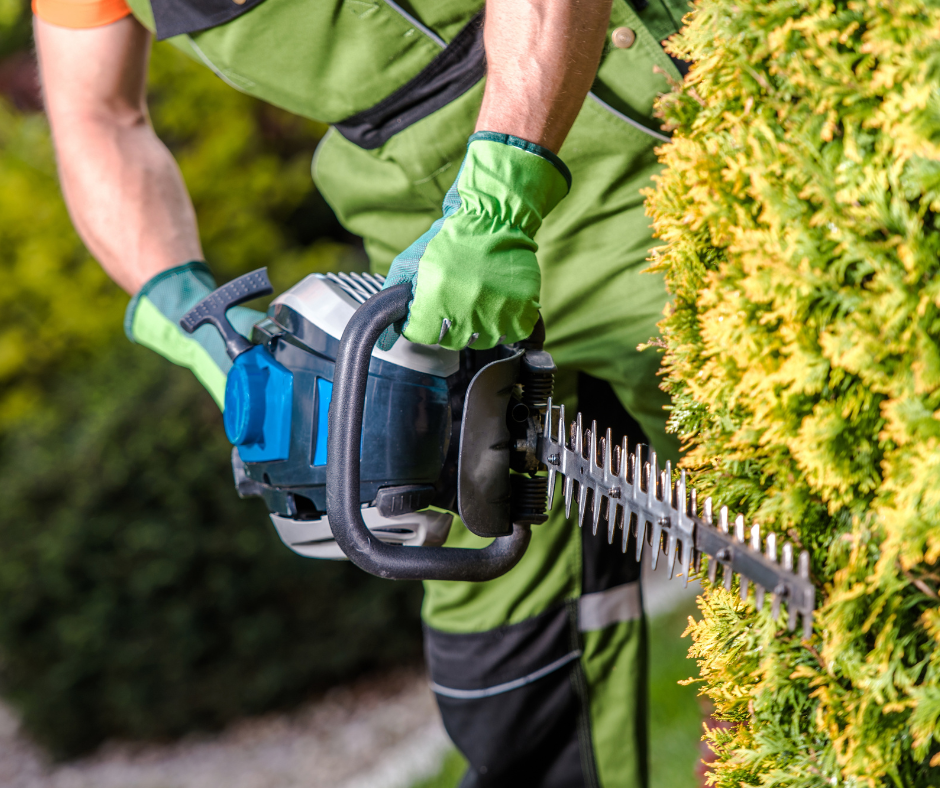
x: 153, y: 320
x: 474, y: 277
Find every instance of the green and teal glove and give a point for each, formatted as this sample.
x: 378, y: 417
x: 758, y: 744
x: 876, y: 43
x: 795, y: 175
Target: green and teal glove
x: 474, y: 277
x: 152, y: 320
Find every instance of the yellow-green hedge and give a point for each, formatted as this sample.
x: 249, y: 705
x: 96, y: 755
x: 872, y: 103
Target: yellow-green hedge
x: 799, y: 211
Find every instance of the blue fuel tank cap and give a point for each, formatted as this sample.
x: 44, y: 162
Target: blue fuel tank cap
x: 258, y: 399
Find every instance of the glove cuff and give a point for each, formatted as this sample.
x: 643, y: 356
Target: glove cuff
x: 515, y: 181
x: 173, y: 292
x: 524, y: 145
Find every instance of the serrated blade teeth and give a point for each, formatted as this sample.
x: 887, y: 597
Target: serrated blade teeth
x: 671, y: 555
x: 598, y: 499
x: 772, y: 555
x: 569, y: 493
x: 723, y: 526
x: 788, y: 566
x: 644, y: 501
x: 755, y: 545
x: 652, y: 478
x: 640, y: 536
x: 687, y: 506
x: 657, y: 544
x: 592, y: 448
x: 582, y: 502
x: 739, y: 536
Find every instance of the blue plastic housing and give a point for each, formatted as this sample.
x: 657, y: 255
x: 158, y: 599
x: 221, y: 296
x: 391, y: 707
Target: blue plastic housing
x: 259, y: 397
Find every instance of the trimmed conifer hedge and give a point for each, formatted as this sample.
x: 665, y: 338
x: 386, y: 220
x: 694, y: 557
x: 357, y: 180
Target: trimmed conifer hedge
x: 799, y: 212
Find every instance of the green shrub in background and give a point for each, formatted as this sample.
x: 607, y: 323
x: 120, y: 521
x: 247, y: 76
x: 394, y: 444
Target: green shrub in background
x: 139, y: 597
x: 799, y: 211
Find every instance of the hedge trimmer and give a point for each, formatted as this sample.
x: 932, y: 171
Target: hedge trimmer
x: 349, y: 446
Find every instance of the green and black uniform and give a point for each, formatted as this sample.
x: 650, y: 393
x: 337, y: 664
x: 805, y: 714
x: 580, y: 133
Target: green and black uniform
x: 540, y: 674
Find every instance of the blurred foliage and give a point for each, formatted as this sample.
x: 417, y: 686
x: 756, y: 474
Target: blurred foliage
x: 800, y: 208
x: 15, y: 26
x: 139, y: 597
x: 247, y: 166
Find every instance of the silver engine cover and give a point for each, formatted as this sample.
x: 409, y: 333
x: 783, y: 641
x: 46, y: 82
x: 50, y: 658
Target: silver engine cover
x: 314, y: 539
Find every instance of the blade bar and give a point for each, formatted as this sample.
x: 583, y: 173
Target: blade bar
x: 667, y: 509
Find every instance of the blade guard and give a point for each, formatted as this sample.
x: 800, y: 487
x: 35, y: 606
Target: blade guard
x: 343, y: 469
x: 484, y: 490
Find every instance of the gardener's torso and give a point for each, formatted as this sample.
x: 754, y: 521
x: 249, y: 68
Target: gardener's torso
x: 331, y: 60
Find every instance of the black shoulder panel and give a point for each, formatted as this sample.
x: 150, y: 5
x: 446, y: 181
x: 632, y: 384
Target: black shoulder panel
x: 178, y: 17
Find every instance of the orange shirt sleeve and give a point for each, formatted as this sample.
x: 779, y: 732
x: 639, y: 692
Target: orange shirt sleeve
x: 80, y: 13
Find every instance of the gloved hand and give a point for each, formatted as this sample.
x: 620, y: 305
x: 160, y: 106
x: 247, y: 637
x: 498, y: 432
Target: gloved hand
x: 153, y: 315
x: 474, y: 277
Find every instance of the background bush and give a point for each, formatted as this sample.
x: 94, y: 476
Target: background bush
x: 139, y: 597
x: 799, y: 210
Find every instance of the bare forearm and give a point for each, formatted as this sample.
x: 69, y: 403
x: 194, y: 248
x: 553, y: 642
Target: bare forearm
x: 127, y: 199
x: 123, y: 188
x: 542, y: 56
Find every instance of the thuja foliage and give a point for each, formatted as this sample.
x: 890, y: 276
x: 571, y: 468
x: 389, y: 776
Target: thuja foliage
x: 799, y: 214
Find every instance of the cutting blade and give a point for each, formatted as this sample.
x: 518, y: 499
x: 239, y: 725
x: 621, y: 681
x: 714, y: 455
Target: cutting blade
x: 662, y: 512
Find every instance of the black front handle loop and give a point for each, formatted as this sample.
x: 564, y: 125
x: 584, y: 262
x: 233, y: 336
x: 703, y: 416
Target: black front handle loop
x: 394, y: 562
x: 213, y: 307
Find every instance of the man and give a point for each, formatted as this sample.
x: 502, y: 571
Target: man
x: 540, y: 675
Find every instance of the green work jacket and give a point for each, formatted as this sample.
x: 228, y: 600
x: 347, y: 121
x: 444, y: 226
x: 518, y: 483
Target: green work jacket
x: 401, y: 85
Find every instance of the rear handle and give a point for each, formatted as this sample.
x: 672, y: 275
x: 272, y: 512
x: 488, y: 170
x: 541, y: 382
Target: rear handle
x: 342, y: 469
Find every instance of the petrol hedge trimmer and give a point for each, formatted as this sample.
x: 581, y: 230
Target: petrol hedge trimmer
x: 367, y: 454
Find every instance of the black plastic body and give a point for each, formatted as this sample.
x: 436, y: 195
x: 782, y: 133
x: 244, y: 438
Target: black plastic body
x: 350, y: 384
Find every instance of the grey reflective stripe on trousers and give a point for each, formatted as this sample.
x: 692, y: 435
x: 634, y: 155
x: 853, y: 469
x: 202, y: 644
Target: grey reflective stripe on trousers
x: 613, y: 606
x: 498, y: 689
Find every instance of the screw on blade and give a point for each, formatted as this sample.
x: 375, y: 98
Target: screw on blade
x: 723, y: 524
x: 547, y: 434
x: 807, y: 617
x: 788, y: 565
x: 758, y: 589
x: 739, y: 535
x: 610, y: 470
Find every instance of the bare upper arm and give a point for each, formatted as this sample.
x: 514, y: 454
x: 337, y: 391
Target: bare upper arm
x: 94, y: 74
